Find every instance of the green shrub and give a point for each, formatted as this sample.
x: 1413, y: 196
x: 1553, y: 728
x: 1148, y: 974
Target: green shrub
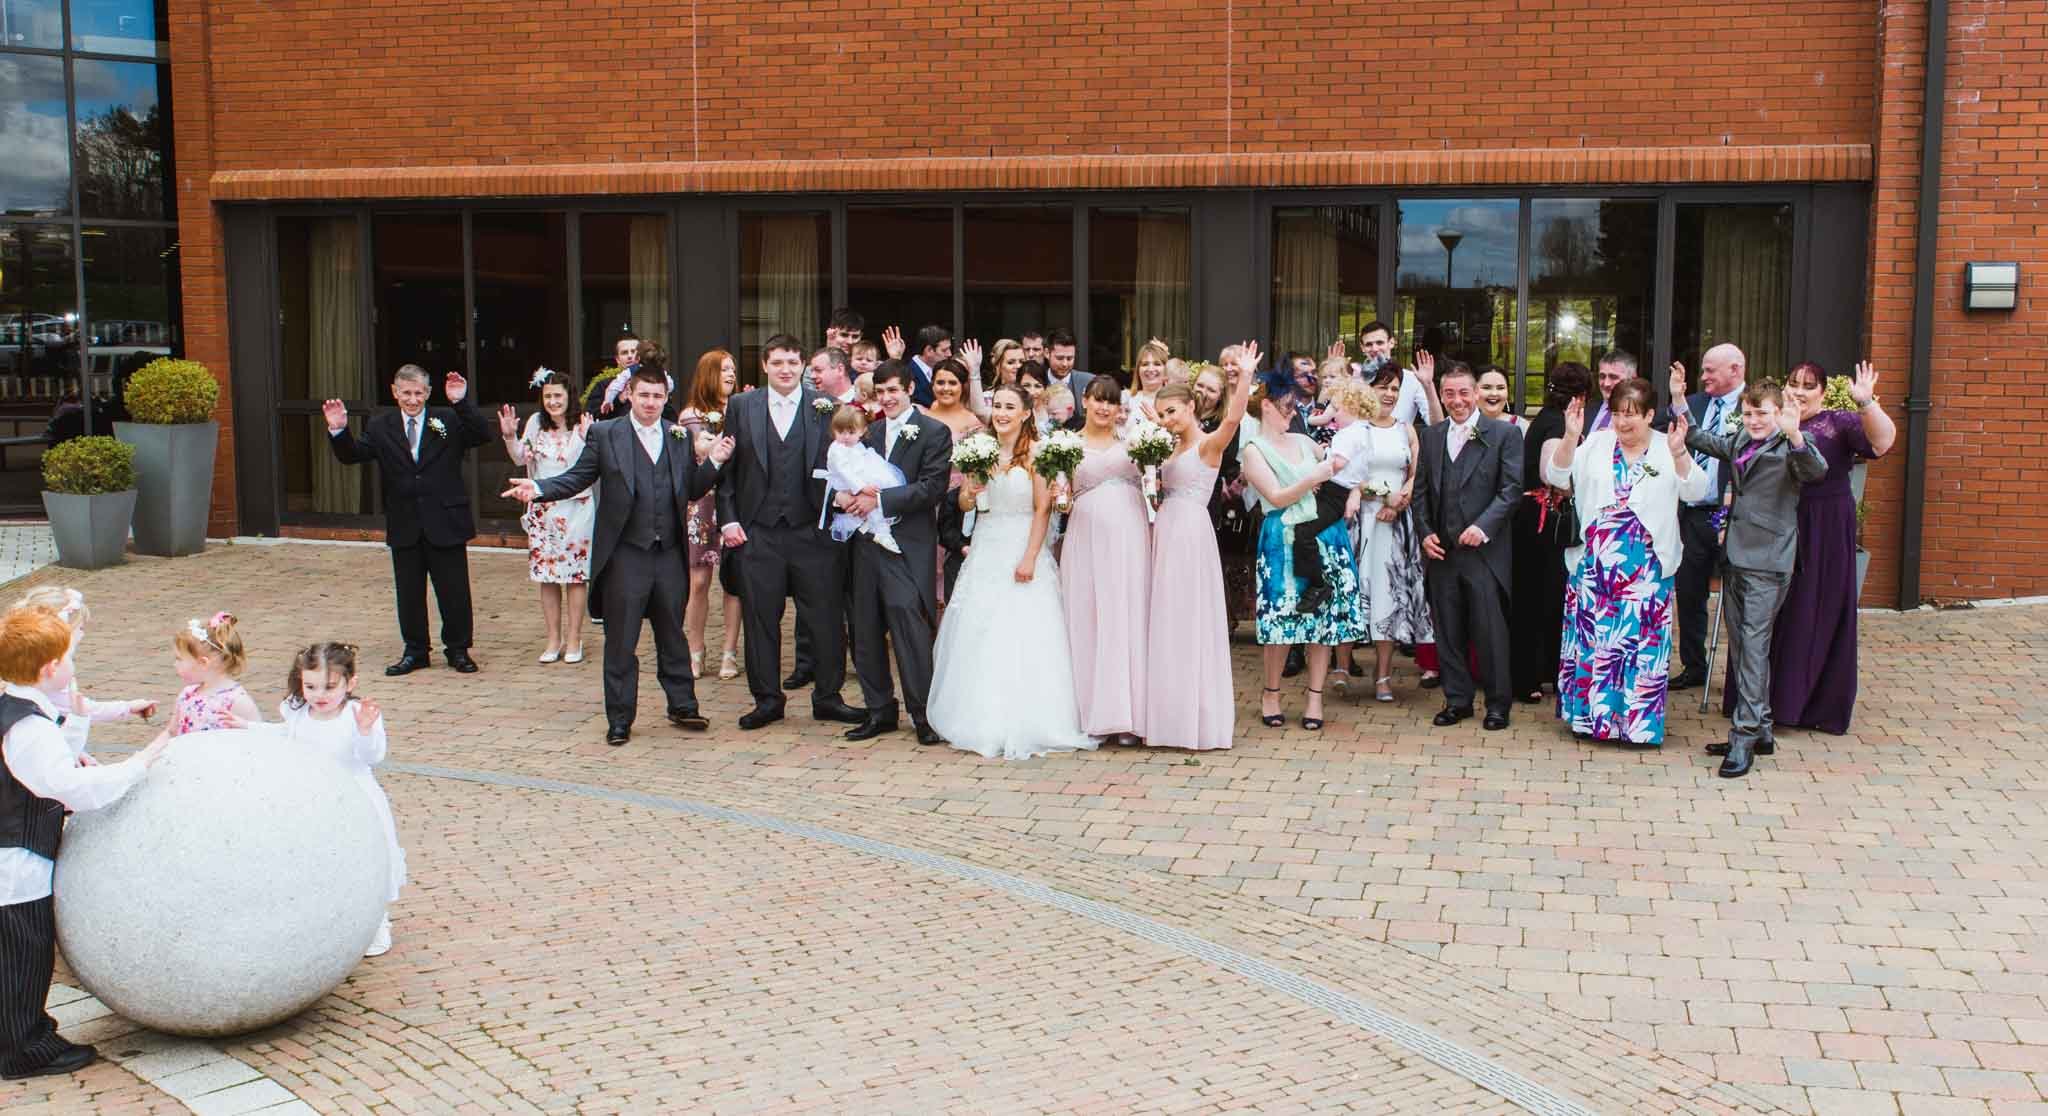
x: 168, y: 390
x: 89, y: 466
x: 593, y: 393
x: 1835, y: 395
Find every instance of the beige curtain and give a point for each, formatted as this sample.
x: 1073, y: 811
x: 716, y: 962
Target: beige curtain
x: 789, y: 282
x: 1745, y: 278
x: 1305, y: 298
x: 647, y: 282
x: 334, y: 367
x: 1162, y: 281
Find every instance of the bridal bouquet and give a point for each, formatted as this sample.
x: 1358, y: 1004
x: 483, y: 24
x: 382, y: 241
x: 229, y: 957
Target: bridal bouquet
x: 1149, y: 445
x: 1377, y: 490
x: 976, y: 455
x: 1057, y: 458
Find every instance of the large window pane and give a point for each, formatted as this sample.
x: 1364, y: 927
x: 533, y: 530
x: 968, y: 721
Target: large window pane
x: 1326, y: 274
x: 1592, y: 282
x: 314, y: 482
x: 1019, y: 270
x: 131, y: 300
x: 1733, y: 283
x: 124, y: 139
x: 38, y: 311
x: 1139, y: 267
x: 899, y: 268
x: 35, y: 174
x: 785, y: 282
x: 419, y: 306
x: 32, y: 23
x: 1456, y: 273
x: 522, y: 322
x: 118, y: 26
x: 319, y: 281
x: 625, y: 283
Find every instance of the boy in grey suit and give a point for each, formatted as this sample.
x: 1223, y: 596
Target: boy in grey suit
x: 1769, y: 459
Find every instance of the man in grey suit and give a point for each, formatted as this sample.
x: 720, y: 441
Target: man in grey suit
x: 1468, y: 483
x: 1767, y: 462
x: 894, y: 598
x: 648, y: 475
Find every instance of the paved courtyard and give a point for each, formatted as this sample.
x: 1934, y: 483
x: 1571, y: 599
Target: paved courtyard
x: 1384, y: 917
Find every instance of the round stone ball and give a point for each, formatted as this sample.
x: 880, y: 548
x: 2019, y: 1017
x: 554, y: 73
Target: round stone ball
x: 234, y: 886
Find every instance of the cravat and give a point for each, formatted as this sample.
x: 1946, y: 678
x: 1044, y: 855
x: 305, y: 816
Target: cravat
x: 785, y: 411
x: 412, y: 436
x: 1458, y: 436
x: 889, y: 443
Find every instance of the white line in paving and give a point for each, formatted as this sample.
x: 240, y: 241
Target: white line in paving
x: 198, y: 1076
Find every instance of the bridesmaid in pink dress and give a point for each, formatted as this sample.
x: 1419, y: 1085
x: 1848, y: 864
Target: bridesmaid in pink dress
x: 1103, y: 572
x: 1190, y: 704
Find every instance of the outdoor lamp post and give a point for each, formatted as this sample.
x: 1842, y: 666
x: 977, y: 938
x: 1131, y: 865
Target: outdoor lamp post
x: 1449, y: 238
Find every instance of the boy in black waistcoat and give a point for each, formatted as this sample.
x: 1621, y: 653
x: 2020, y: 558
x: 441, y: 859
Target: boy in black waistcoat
x: 41, y: 780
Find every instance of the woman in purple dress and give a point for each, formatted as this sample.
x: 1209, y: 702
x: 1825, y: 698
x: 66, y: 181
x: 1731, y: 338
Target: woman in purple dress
x: 1813, y: 648
x: 1105, y: 571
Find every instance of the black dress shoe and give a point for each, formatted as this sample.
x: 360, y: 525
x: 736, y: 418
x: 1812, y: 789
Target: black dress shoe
x: 1762, y: 748
x: 873, y: 725
x: 1737, y: 764
x: 929, y: 735
x: 73, y: 1059
x: 832, y: 709
x: 1689, y: 680
x: 461, y: 661
x: 1495, y: 721
x: 758, y: 717
x: 798, y: 679
x: 688, y: 719
x: 617, y: 735
x: 407, y: 664
x: 1451, y: 715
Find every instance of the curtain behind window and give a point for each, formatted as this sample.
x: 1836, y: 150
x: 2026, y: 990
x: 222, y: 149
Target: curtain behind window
x: 1305, y: 294
x: 334, y: 368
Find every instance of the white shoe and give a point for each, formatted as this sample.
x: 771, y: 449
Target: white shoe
x: 550, y: 655
x: 728, y: 667
x: 696, y: 664
x: 575, y: 656
x: 381, y: 944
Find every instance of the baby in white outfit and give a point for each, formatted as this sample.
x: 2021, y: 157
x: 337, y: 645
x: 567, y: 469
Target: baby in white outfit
x: 851, y: 466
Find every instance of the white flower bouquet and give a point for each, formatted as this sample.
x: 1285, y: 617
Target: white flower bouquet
x: 1056, y: 459
x: 976, y: 455
x: 1149, y: 445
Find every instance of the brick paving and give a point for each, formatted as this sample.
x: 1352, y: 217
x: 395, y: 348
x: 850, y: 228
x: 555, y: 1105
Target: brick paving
x: 1854, y: 928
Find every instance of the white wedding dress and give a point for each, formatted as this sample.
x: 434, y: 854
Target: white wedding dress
x: 1002, y: 675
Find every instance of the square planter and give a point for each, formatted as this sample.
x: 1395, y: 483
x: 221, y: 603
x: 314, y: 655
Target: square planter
x: 91, y: 532
x: 174, y: 484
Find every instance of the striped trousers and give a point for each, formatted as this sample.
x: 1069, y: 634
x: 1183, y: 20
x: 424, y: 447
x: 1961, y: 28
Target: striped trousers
x: 28, y: 954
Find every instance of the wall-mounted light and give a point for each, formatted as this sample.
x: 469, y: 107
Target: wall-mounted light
x: 1991, y: 286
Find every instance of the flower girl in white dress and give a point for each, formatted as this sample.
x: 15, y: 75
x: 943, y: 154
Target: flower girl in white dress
x: 1005, y: 610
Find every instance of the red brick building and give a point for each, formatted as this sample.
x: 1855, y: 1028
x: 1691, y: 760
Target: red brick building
x: 487, y: 185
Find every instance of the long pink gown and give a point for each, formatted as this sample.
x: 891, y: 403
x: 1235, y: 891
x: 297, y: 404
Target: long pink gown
x: 1104, y: 573
x: 1189, y: 703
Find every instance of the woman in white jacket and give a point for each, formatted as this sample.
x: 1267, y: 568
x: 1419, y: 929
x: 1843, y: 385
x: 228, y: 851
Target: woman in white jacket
x: 1627, y: 484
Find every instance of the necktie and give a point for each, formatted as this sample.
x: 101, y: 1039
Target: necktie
x: 412, y: 436
x: 1710, y: 423
x: 1458, y: 436
x: 783, y: 414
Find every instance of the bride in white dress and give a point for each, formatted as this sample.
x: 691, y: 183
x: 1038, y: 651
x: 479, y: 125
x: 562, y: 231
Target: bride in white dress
x: 1002, y: 675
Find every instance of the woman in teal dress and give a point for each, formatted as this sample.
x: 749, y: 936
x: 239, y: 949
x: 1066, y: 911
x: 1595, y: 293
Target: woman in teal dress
x: 1285, y: 469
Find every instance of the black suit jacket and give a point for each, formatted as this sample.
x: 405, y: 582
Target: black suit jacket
x: 1479, y: 489
x: 743, y: 483
x: 425, y: 499
x: 606, y: 461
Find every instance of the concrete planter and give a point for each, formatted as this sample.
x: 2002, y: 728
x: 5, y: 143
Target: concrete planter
x: 174, y: 484
x: 91, y: 532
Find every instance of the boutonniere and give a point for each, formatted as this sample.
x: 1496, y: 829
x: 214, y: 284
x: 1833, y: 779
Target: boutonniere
x: 822, y: 405
x: 1649, y: 470
x: 677, y: 431
x: 908, y: 433
x: 439, y: 428
x: 1733, y: 422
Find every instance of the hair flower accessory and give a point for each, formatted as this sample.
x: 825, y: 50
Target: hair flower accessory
x: 199, y: 632
x: 219, y: 618
x: 73, y: 602
x: 541, y: 376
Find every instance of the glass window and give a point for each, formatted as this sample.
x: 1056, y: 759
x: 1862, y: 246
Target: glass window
x: 1019, y: 270
x: 522, y: 322
x: 419, y: 304
x: 319, y: 280
x: 38, y: 313
x: 625, y: 284
x: 899, y: 268
x: 32, y: 23
x: 1592, y: 283
x: 123, y: 140
x: 35, y: 176
x: 1139, y: 268
x: 118, y: 26
x: 314, y: 482
x: 785, y: 282
x: 1457, y: 269
x: 131, y: 299
x: 1326, y: 274
x: 1732, y: 282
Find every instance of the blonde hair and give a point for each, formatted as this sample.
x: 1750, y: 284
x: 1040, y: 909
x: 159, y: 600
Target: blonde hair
x: 217, y: 636
x: 1055, y: 394
x: 849, y: 419
x: 1356, y: 399
x: 67, y: 603
x: 1333, y: 372
x: 1229, y: 353
x: 864, y: 386
x: 31, y: 638
x: 1157, y: 351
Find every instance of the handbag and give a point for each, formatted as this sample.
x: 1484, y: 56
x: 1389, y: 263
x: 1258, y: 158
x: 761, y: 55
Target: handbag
x: 1560, y: 523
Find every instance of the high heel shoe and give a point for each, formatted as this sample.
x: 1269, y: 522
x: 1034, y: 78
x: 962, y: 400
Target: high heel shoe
x: 1313, y: 724
x: 696, y: 664
x: 575, y: 656
x: 550, y: 655
x: 728, y: 667
x: 1383, y: 688
x: 1273, y: 720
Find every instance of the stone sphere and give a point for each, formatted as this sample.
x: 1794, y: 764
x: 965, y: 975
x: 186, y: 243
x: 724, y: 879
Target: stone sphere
x: 234, y: 886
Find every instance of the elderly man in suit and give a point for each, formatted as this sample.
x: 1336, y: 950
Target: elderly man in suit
x: 1470, y: 478
x: 1716, y: 408
x: 427, y: 523
x: 1767, y: 461
x: 649, y: 475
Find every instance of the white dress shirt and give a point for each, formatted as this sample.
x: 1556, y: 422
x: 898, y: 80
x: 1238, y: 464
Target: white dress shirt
x: 896, y: 426
x: 1461, y: 433
x: 650, y: 438
x: 39, y: 758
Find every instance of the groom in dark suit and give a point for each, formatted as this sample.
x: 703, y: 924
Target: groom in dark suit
x: 649, y: 475
x: 427, y: 525
x: 895, y: 598
x: 1465, y: 494
x: 771, y: 497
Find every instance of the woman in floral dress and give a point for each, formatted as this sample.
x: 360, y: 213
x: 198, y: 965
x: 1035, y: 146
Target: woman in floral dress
x: 711, y: 385
x: 558, y: 532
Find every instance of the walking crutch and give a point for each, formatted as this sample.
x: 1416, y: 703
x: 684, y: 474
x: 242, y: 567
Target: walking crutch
x: 1713, y: 639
